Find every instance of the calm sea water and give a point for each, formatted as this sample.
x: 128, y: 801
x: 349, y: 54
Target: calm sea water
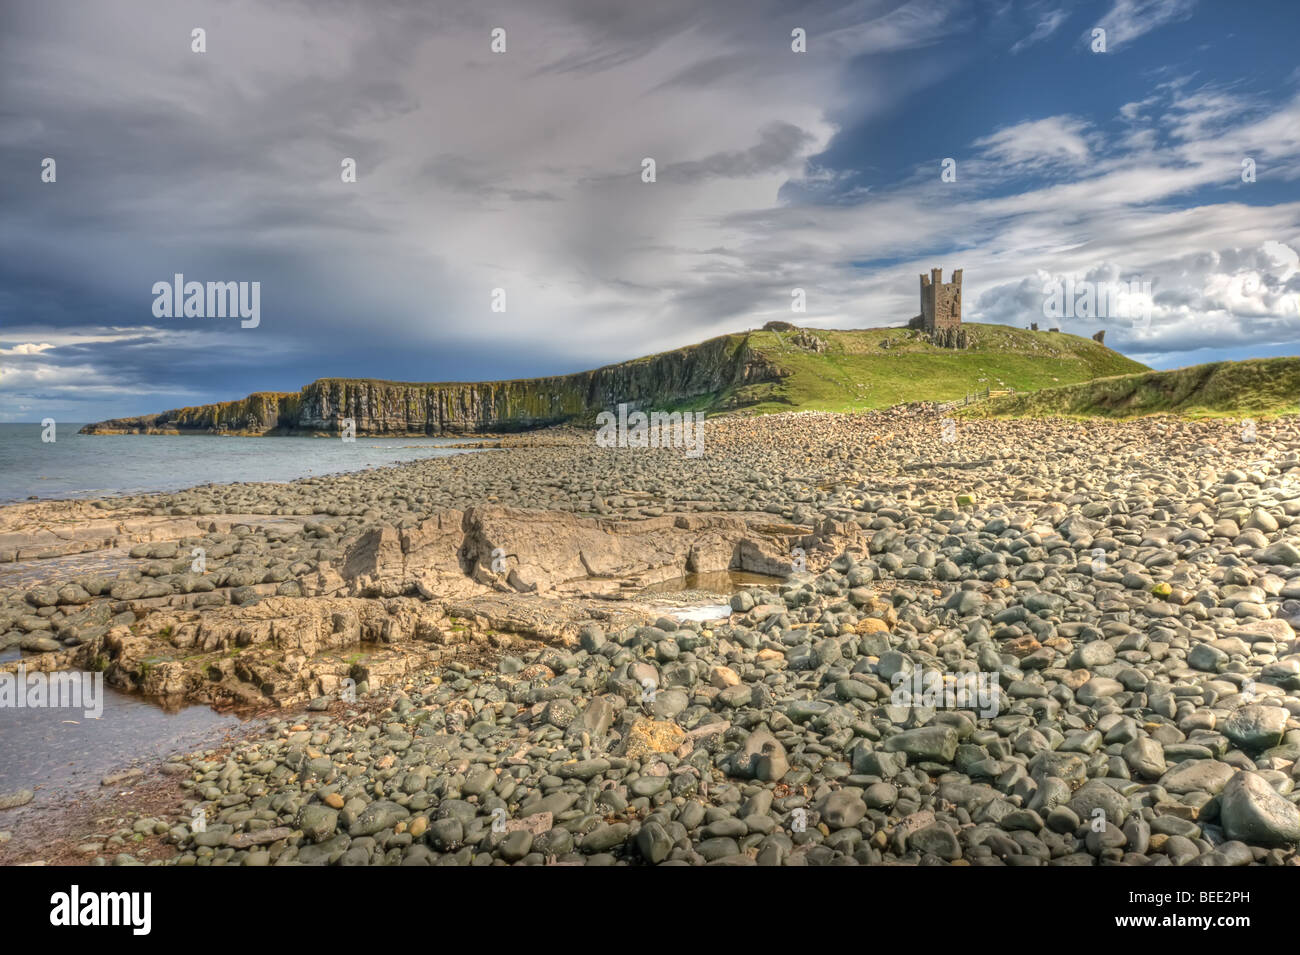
x: 96, y: 465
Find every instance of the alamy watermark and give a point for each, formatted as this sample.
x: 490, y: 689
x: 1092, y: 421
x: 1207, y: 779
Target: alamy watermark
x: 658, y: 429
x: 1082, y: 298
x: 182, y: 299
x: 65, y: 690
x: 961, y: 691
x: 128, y: 909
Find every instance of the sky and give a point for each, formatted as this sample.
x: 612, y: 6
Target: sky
x: 500, y: 224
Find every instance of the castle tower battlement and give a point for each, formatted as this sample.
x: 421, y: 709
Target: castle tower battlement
x: 940, y: 301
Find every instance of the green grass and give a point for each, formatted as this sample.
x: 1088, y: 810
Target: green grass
x: 856, y: 371
x: 1261, y: 387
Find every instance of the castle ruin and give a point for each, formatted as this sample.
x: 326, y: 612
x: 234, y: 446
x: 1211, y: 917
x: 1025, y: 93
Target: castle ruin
x: 940, y: 316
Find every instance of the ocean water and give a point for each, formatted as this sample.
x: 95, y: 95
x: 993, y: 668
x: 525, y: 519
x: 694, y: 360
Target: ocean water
x: 100, y: 465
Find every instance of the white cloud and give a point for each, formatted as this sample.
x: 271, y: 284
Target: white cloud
x: 1047, y: 24
x: 1129, y: 19
x: 28, y: 348
x: 1053, y: 139
x: 1121, y: 211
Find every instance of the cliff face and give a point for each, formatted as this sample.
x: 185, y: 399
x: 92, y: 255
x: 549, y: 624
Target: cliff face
x: 259, y: 413
x: 400, y: 408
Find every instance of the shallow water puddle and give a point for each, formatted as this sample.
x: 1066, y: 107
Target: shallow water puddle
x: 726, y: 582
x: 701, y: 614
x: 711, y: 585
x: 56, y: 571
x: 66, y: 750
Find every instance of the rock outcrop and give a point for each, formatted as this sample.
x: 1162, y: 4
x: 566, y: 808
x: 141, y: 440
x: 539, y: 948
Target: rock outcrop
x: 399, y: 599
x: 517, y: 551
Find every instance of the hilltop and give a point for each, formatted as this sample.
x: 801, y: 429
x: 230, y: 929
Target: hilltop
x: 765, y: 370
x: 1259, y: 386
x: 872, y: 368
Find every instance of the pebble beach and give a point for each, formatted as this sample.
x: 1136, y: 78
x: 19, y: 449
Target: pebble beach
x: 1124, y: 594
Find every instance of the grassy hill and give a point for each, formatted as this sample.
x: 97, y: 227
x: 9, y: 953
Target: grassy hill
x: 758, y: 371
x: 1256, y: 387
x: 878, y: 367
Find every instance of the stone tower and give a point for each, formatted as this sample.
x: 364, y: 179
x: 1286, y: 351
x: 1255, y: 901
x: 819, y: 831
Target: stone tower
x: 940, y: 302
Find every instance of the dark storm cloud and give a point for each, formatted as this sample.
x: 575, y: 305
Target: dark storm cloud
x: 522, y: 172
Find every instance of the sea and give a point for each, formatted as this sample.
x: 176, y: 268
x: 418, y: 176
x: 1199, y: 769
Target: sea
x: 62, y: 755
x: 77, y: 465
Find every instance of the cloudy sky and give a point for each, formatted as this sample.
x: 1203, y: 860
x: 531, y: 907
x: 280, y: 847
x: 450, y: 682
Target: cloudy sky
x: 522, y: 171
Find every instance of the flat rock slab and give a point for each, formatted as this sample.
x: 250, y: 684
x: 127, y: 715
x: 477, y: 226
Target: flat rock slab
x: 243, y: 840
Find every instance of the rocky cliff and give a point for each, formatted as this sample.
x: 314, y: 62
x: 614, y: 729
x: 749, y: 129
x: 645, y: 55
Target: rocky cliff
x: 660, y: 382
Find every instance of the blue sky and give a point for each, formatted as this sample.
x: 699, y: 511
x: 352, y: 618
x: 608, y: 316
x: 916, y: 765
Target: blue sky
x: 521, y: 171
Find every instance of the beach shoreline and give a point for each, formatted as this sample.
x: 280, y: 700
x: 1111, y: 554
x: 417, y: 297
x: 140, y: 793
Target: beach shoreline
x: 452, y: 641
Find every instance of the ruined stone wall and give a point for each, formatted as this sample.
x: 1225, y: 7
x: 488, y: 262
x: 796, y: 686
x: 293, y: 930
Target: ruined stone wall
x: 940, y: 301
